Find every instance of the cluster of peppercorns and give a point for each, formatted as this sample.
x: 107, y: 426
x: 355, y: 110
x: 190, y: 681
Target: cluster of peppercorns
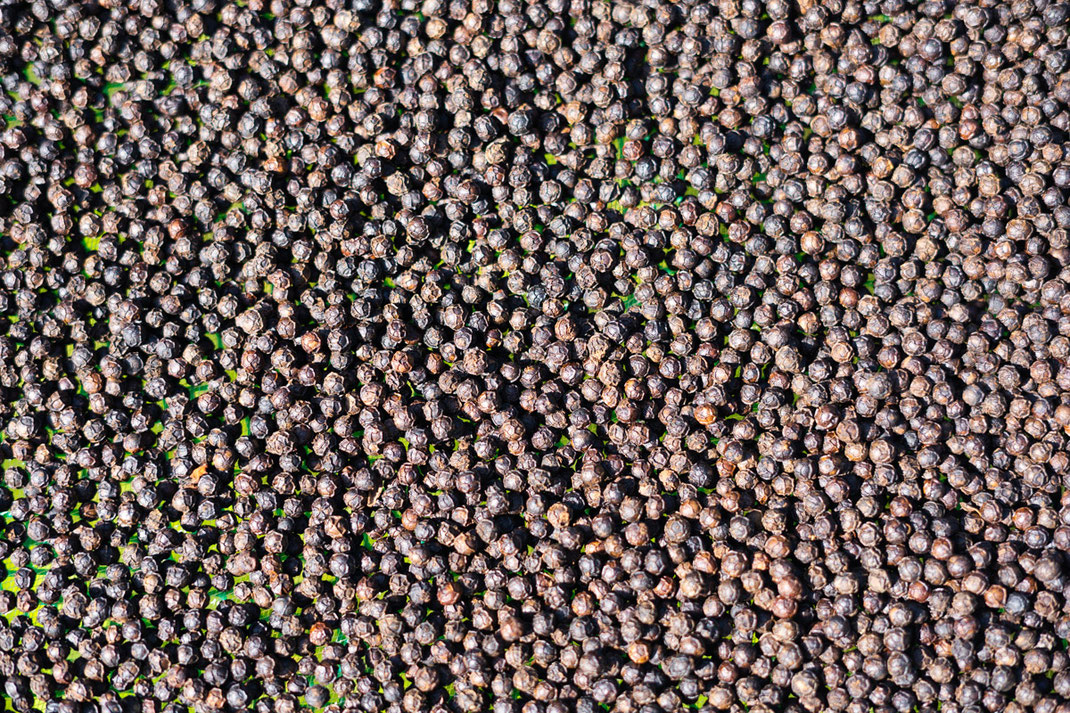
x: 554, y: 356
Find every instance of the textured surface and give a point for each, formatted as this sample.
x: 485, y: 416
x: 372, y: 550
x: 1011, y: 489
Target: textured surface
x: 534, y: 357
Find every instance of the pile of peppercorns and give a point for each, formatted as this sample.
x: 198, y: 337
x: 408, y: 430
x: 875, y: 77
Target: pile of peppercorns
x: 535, y: 357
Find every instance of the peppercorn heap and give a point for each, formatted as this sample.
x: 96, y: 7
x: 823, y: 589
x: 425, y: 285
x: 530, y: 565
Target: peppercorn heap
x: 544, y: 357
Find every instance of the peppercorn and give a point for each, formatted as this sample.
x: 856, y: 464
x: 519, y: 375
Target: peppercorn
x: 534, y: 358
